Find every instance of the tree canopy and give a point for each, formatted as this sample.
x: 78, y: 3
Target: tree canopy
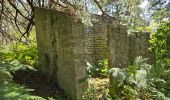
x: 18, y: 15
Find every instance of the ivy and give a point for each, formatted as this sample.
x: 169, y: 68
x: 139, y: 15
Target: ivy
x: 160, y: 42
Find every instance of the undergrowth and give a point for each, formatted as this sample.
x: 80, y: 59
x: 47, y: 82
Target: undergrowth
x: 25, y: 54
x: 100, y: 69
x: 140, y: 81
x: 10, y: 90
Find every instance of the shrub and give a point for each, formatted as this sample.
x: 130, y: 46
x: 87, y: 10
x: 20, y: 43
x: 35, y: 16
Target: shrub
x: 98, y: 70
x: 160, y: 42
x: 140, y: 81
x: 10, y: 90
x: 25, y: 54
x: 8, y: 68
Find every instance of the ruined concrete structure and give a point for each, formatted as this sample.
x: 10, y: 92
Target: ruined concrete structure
x: 105, y: 39
x: 65, y: 45
x: 96, y: 46
x: 124, y: 47
x: 60, y: 40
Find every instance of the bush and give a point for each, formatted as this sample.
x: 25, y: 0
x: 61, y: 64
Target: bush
x: 140, y: 81
x: 160, y: 42
x: 25, y: 54
x: 10, y: 90
x: 98, y: 70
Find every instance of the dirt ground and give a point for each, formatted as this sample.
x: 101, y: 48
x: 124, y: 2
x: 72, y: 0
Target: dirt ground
x: 41, y: 85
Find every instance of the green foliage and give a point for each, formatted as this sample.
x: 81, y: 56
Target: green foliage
x: 98, y: 70
x: 8, y: 68
x: 141, y: 81
x: 25, y: 54
x: 160, y: 9
x: 160, y: 42
x: 13, y: 66
x: 159, y: 73
x: 11, y: 91
x: 138, y: 81
x: 160, y: 76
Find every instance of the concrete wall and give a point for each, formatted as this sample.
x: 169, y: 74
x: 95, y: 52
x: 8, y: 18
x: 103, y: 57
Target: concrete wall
x: 118, y: 46
x: 60, y: 40
x: 96, y: 42
x: 124, y: 47
x: 65, y: 45
x: 96, y: 38
x: 139, y: 45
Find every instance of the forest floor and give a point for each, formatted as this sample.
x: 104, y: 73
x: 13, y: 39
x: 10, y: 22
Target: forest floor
x: 30, y: 83
x: 40, y: 84
x: 49, y: 89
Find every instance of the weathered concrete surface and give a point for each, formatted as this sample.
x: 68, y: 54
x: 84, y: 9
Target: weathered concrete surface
x: 64, y: 45
x: 118, y: 50
x: 60, y: 40
x: 139, y: 45
x: 96, y: 42
x: 124, y: 47
x: 96, y: 38
x: 118, y: 46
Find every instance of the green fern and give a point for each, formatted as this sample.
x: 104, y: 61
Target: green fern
x: 141, y: 81
x: 11, y: 91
